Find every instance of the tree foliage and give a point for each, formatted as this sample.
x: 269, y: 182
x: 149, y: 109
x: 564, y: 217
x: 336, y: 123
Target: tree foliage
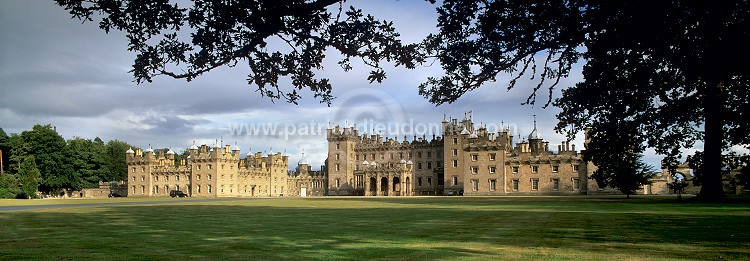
x: 185, y: 41
x: 28, y: 178
x: 675, y: 68
x: 118, y: 169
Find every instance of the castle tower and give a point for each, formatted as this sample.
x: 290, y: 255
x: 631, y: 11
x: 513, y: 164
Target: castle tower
x: 341, y: 160
x: 536, y: 143
x: 456, y: 137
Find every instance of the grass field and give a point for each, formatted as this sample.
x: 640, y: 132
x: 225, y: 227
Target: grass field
x: 421, y: 228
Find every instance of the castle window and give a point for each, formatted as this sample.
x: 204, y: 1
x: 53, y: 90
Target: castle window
x: 156, y: 189
x: 515, y: 169
x: 198, y: 166
x: 337, y: 167
x: 534, y: 184
x: 222, y: 166
x: 222, y: 189
x: 133, y: 169
x: 166, y: 178
x: 492, y: 156
x: 133, y: 189
x: 143, y: 169
x: 454, y: 181
x: 474, y: 157
x: 429, y: 154
x: 493, y: 185
x: 231, y: 176
x: 338, y: 146
x: 143, y: 178
x: 382, y: 156
x: 515, y: 185
x: 455, y: 163
x: 400, y: 155
x: 555, y: 168
x: 391, y: 164
x: 198, y: 188
x: 356, y: 167
x: 429, y: 182
x: 209, y: 188
x: 419, y: 165
x: 409, y: 155
x: 166, y: 188
x: 178, y: 177
x: 455, y: 152
x: 576, y: 184
x: 209, y: 166
x: 143, y: 189
x: 555, y: 184
x: 209, y: 177
x: 419, y: 182
x: 429, y: 165
x: 534, y: 169
x: 439, y: 164
x: 338, y: 157
x: 372, y: 156
x: 198, y: 177
x: 356, y: 157
x: 575, y: 168
x: 156, y: 178
x: 391, y: 155
x: 455, y: 140
x: 493, y: 169
x: 338, y: 183
x: 474, y: 170
x: 475, y: 184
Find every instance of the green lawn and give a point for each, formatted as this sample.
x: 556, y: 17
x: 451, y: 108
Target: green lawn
x: 424, y: 228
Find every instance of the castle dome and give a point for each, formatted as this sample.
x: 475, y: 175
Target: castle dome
x: 170, y: 152
x: 194, y: 147
x: 149, y: 149
x: 249, y: 153
x: 464, y: 131
x: 534, y: 135
x: 303, y: 161
x: 129, y: 151
x: 235, y: 147
x: 402, y: 161
x: 373, y: 164
x: 409, y: 163
x: 365, y: 163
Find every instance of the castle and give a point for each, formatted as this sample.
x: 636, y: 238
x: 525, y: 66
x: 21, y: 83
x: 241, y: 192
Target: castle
x: 219, y: 171
x: 465, y: 160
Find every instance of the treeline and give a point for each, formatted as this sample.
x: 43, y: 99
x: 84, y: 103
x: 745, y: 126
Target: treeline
x: 40, y: 160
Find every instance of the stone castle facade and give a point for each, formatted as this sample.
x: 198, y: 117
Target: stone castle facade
x: 465, y: 160
x: 219, y: 171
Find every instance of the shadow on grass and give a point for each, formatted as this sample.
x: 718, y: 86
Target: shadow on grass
x: 322, y: 231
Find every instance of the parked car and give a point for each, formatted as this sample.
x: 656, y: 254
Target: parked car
x: 177, y: 193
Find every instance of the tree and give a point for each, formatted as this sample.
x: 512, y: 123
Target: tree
x: 28, y: 178
x: 118, y: 168
x: 5, y: 151
x: 224, y: 33
x: 89, y: 162
x: 52, y: 157
x: 677, y: 67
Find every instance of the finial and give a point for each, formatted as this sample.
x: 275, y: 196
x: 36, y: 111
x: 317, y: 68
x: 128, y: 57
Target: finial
x: 535, y: 121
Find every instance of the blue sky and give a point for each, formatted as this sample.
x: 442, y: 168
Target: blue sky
x: 55, y: 70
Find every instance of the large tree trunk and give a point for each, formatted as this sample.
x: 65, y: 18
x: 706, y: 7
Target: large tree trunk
x: 711, y: 184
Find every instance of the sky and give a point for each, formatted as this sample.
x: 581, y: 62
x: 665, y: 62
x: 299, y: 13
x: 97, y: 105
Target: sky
x: 57, y: 70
